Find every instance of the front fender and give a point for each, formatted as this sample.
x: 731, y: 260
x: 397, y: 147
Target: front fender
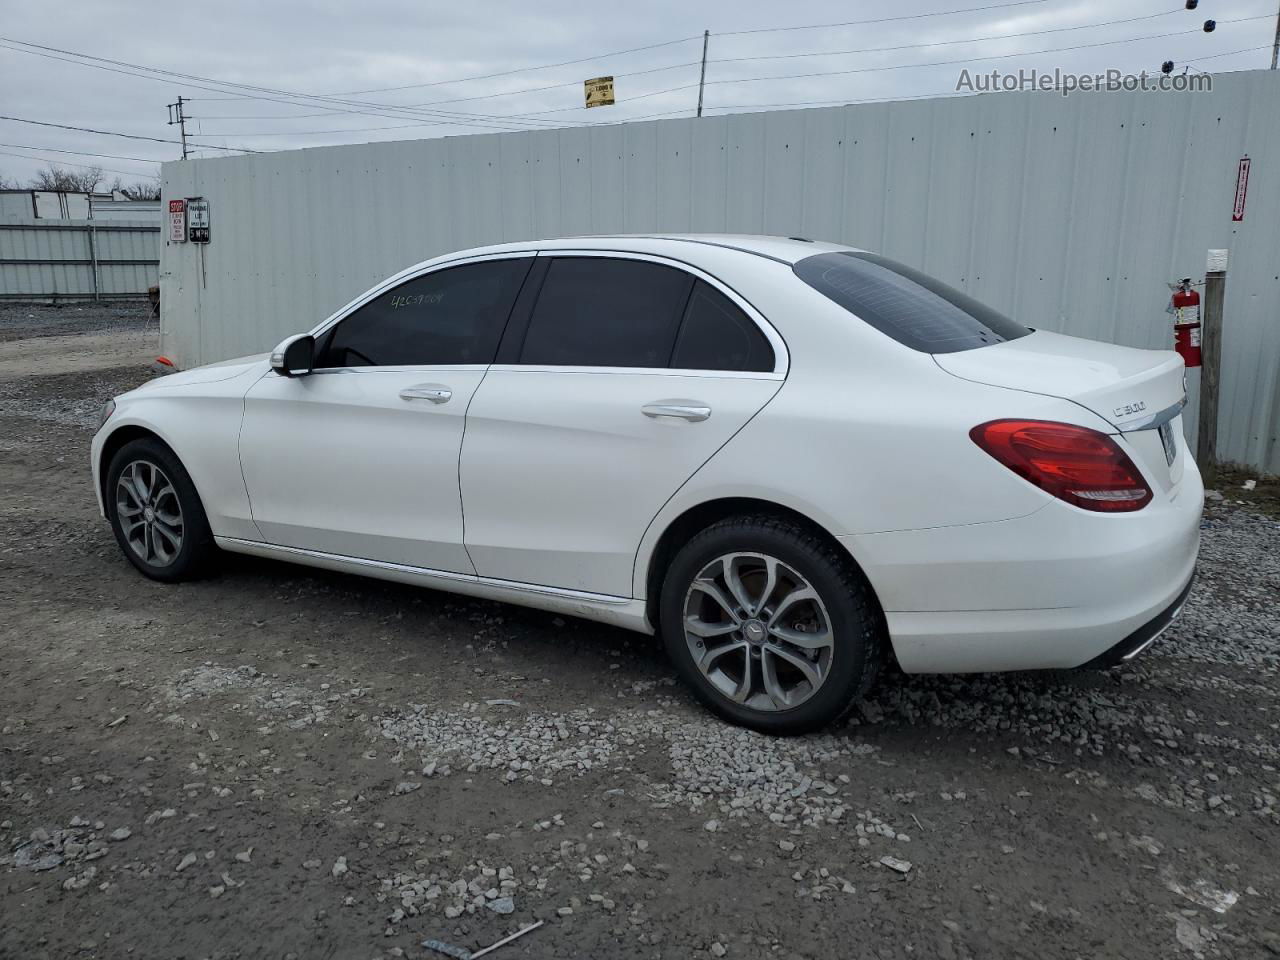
x: 200, y: 422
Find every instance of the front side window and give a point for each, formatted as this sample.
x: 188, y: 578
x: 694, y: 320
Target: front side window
x: 600, y: 312
x: 450, y: 316
x: 905, y: 304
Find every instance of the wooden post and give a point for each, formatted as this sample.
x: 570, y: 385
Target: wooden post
x: 702, y: 77
x: 90, y: 231
x: 1215, y: 290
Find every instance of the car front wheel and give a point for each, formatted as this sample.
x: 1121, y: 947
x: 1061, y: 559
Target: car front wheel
x: 155, y: 512
x: 772, y: 626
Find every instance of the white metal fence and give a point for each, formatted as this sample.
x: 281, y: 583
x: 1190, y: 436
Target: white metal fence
x: 77, y: 259
x: 1070, y: 214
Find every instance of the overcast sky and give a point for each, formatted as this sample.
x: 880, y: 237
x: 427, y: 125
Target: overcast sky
x: 294, y: 52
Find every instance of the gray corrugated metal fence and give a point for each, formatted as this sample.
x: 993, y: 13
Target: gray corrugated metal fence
x: 1070, y: 214
x: 77, y: 259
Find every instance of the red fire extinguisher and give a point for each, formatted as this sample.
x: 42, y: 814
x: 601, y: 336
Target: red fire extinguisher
x: 1186, y: 323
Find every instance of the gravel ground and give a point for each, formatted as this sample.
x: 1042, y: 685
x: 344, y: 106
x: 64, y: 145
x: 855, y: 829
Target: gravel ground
x: 20, y: 321
x: 276, y: 762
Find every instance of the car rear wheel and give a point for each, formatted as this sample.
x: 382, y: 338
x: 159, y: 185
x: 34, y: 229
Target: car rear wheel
x: 771, y: 625
x: 155, y: 512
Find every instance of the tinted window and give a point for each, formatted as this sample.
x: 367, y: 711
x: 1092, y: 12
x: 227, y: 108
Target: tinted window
x: 597, y: 312
x: 716, y: 335
x: 907, y: 305
x: 455, y: 315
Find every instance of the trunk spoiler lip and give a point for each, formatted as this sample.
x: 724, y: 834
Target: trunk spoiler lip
x: 1158, y: 419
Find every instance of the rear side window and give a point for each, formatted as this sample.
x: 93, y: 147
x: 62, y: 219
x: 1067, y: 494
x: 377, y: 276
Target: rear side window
x: 717, y: 335
x: 599, y: 312
x: 450, y: 316
x: 905, y: 304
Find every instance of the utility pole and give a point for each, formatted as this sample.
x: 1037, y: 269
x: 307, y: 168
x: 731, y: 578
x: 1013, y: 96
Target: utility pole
x: 702, y: 78
x: 1275, y: 44
x: 1215, y: 291
x: 176, y: 116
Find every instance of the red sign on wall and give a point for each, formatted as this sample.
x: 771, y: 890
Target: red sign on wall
x: 177, y: 221
x: 1242, y: 188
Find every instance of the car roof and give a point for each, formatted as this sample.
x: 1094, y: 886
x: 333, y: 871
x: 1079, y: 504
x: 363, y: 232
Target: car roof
x: 787, y: 250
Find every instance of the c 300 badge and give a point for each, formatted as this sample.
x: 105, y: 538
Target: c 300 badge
x: 1129, y: 409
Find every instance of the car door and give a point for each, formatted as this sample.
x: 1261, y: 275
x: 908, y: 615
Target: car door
x: 360, y: 457
x: 619, y: 376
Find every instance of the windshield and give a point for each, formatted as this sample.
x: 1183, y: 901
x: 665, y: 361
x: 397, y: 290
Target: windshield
x: 905, y: 304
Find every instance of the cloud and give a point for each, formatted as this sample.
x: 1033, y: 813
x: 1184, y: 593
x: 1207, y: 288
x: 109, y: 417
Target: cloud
x: 321, y: 48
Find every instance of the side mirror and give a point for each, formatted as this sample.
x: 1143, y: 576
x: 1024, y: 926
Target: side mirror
x: 294, y: 357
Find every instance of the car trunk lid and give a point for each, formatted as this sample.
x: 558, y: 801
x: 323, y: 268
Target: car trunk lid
x: 1136, y: 391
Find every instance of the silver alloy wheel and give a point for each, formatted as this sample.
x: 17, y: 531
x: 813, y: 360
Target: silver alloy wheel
x: 149, y: 513
x: 758, y: 631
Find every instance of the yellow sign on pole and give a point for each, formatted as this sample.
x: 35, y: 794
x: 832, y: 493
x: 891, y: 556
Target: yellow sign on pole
x: 599, y: 91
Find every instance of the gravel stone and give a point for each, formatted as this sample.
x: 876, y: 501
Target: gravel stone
x: 502, y: 905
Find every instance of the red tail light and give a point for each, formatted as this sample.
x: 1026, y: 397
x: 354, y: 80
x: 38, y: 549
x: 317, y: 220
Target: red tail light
x: 1081, y: 466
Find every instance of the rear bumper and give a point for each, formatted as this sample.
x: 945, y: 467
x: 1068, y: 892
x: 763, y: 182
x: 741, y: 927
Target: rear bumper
x: 1138, y: 641
x: 1058, y: 589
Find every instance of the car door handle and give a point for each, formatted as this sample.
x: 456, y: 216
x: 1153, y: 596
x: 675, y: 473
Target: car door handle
x: 435, y: 392
x: 691, y: 410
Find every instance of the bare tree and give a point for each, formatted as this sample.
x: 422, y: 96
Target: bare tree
x: 147, y: 188
x: 54, y: 177
x: 142, y: 190
x: 7, y: 184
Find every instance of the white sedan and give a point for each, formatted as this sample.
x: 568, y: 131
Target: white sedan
x: 790, y: 459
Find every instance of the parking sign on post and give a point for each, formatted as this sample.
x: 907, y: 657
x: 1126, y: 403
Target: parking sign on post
x: 197, y: 219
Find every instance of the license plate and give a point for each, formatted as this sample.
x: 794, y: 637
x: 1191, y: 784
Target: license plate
x: 1166, y: 438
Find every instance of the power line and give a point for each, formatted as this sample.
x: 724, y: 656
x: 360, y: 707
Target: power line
x: 318, y: 133
x: 51, y: 53
x: 948, y: 94
x: 1004, y: 56
x: 490, y: 96
x: 553, y: 86
x: 397, y: 112
x: 839, y: 103
x: 68, y: 163
x: 514, y: 116
x: 858, y: 23
x: 944, y: 43
x: 126, y: 136
x: 1229, y: 53
x: 507, y: 73
x: 901, y: 66
x: 907, y: 65
x: 863, y: 69
x: 417, y: 106
x: 470, y: 119
x: 407, y: 113
x: 513, y: 122
x: 80, y: 153
x: 414, y: 112
x: 1106, y: 23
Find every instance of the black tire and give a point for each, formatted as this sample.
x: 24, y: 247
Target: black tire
x: 856, y: 621
x: 194, y: 555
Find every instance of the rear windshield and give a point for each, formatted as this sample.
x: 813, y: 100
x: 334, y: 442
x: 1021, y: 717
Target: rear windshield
x: 905, y: 304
